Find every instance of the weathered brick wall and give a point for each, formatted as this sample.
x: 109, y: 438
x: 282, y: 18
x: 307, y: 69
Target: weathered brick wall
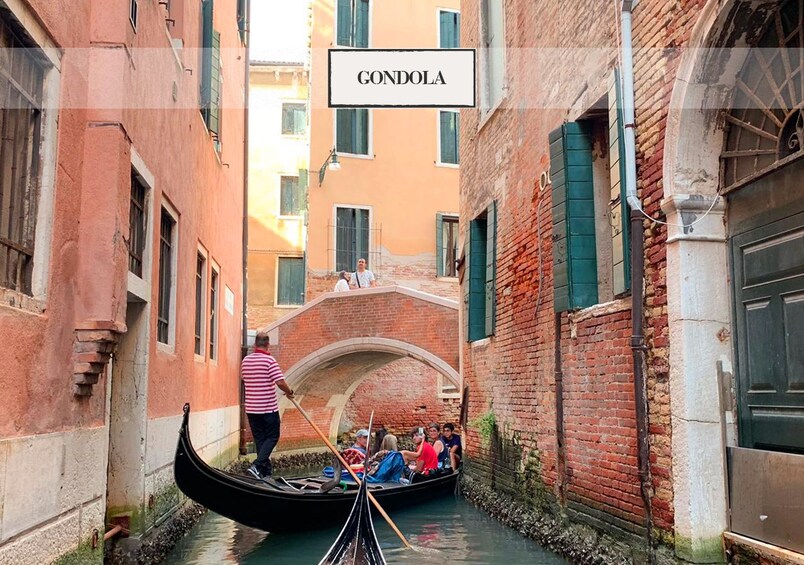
x: 403, y: 394
x: 513, y: 373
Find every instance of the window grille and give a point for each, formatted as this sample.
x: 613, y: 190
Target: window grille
x: 137, y: 221
x: 168, y: 224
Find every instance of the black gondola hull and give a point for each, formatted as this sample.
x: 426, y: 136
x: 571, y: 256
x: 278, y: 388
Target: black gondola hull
x: 261, y: 506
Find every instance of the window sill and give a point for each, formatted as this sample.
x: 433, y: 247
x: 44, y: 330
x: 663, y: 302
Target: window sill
x: 480, y: 342
x: 448, y: 279
x: 288, y: 306
x: 294, y: 136
x: 290, y: 217
x: 449, y: 396
x: 447, y: 165
x: 22, y: 302
x: 199, y: 358
x: 354, y: 155
x: 167, y: 349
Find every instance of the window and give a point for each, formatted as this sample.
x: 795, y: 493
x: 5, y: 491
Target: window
x: 353, y: 23
x: 290, y: 196
x: 21, y: 79
x: 133, y: 8
x: 242, y: 20
x: 446, y: 245
x: 294, y: 118
x: 590, y: 215
x: 448, y: 131
x: 214, y: 292
x: 351, y: 237
x: 290, y: 283
x: 210, y: 70
x: 481, y: 290
x: 200, y: 294
x: 137, y: 224
x: 449, y: 29
x: 352, y: 131
x: 167, y: 245
x: 493, y: 51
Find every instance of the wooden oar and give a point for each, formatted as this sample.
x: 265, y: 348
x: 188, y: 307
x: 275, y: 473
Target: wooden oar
x: 351, y: 472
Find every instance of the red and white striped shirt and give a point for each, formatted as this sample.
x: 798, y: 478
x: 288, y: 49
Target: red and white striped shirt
x: 260, y: 373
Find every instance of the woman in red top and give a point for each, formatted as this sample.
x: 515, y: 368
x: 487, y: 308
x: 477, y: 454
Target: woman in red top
x: 424, y: 456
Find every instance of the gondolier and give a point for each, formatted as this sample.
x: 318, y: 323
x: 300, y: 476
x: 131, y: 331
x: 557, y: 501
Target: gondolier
x: 261, y: 376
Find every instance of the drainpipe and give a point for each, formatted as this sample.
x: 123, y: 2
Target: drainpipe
x: 244, y: 337
x: 558, y: 375
x: 637, y: 274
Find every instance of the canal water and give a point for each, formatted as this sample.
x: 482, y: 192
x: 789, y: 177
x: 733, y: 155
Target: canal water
x: 449, y: 530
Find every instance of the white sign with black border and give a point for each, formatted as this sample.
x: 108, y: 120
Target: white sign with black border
x: 402, y: 78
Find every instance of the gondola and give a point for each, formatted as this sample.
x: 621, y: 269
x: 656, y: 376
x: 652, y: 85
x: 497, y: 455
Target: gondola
x: 357, y: 543
x: 286, y: 505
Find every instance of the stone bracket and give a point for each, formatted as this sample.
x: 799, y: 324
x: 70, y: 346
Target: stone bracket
x: 95, y: 341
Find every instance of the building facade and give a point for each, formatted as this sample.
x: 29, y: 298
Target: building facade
x: 636, y: 392
x: 121, y: 205
x: 278, y: 151
x: 394, y: 200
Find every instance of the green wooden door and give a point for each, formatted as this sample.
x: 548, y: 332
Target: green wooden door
x: 769, y: 312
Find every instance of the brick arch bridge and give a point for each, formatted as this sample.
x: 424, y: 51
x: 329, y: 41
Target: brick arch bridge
x: 327, y: 347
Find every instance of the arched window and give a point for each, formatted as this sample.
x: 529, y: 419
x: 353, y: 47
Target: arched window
x: 764, y: 125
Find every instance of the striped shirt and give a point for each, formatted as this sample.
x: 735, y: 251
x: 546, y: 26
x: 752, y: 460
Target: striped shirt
x: 260, y: 373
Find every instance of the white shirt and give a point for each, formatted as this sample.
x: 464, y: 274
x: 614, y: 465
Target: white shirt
x: 341, y: 285
x: 366, y: 277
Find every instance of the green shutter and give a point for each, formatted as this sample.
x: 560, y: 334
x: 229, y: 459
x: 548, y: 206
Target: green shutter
x: 303, y: 196
x: 206, y: 56
x: 449, y: 24
x: 439, y: 245
x: 491, y: 269
x: 362, y: 24
x: 343, y: 131
x: 477, y: 279
x: 467, y: 268
x: 291, y: 281
x: 449, y: 137
x: 361, y: 130
x: 618, y: 205
x: 242, y: 20
x: 574, y: 253
x: 214, y: 121
x: 344, y: 23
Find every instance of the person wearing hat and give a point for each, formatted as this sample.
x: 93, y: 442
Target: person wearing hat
x: 356, y: 455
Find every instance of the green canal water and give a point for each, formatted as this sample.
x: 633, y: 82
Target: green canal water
x: 449, y: 530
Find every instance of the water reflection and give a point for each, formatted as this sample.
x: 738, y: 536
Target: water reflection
x: 448, y: 530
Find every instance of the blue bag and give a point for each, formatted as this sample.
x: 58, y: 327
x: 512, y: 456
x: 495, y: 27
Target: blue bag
x: 390, y: 469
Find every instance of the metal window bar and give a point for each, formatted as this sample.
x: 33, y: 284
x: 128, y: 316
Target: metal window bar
x: 165, y: 276
x: 21, y: 77
x: 199, y: 301
x: 213, y: 315
x: 137, y: 221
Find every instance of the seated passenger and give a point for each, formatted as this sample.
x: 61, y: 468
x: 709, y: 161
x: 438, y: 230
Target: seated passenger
x: 452, y: 444
x: 387, y: 446
x: 424, y: 457
x: 434, y: 437
x: 356, y: 455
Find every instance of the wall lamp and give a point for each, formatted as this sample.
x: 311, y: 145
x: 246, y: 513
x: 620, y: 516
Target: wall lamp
x: 331, y: 163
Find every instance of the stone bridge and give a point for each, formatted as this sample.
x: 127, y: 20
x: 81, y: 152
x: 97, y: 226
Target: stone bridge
x: 328, y: 346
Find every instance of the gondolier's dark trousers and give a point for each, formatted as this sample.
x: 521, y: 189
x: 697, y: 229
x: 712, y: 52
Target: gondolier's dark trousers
x: 265, y: 429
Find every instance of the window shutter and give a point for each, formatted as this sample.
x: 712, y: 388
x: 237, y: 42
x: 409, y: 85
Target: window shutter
x: 206, y: 57
x: 343, y: 131
x: 344, y: 23
x: 214, y: 122
x: 450, y: 30
x: 303, y: 193
x: 491, y: 268
x: 467, y: 282
x: 361, y: 131
x: 362, y: 25
x: 574, y: 254
x: 618, y: 205
x: 477, y: 280
x: 242, y: 20
x: 440, y: 245
x: 297, y: 282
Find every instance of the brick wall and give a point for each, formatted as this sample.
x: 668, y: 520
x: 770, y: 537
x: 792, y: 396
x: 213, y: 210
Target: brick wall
x: 513, y: 374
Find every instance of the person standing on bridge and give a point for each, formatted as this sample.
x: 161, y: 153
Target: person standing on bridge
x: 362, y: 278
x: 343, y: 282
x: 261, y: 376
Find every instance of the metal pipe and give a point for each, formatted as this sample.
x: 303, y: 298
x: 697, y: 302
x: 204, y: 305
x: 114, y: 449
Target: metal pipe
x: 637, y: 275
x: 113, y: 532
x: 244, y: 337
x: 558, y: 376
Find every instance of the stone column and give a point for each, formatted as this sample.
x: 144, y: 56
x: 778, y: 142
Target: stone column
x: 698, y: 307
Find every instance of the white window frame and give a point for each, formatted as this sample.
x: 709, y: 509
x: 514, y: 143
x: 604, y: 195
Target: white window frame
x: 452, y: 216
x: 335, y: 231
x: 443, y: 383
x: 214, y: 332
x: 438, y: 23
x: 276, y: 283
x: 170, y: 347
x: 203, y: 314
x: 370, y: 29
x: 487, y: 108
x: 141, y: 286
x: 279, y: 214
x: 51, y: 95
x: 438, y: 161
x: 370, y: 149
x: 282, y: 103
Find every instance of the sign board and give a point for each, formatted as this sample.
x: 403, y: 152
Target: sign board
x: 402, y: 78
